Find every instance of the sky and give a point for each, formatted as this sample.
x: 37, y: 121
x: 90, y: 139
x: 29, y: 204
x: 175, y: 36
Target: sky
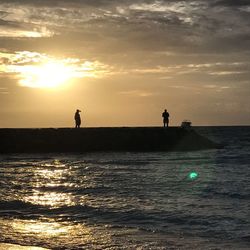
x: 123, y: 62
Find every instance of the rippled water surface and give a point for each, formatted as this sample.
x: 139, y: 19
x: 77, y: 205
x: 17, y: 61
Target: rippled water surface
x: 160, y: 200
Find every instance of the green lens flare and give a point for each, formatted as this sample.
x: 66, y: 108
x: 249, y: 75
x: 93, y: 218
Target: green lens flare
x: 193, y: 175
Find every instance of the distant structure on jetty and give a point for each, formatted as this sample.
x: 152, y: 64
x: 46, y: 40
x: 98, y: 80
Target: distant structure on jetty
x: 47, y: 140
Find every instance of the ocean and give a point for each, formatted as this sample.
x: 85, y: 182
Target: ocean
x: 125, y: 200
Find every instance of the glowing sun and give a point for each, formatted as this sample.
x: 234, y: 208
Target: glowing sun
x: 35, y: 70
x: 48, y: 75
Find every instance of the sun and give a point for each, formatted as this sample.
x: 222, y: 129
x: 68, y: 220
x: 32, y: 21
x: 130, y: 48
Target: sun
x: 51, y: 74
x: 35, y: 70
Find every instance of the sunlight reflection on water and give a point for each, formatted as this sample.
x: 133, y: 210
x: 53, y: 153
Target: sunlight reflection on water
x: 39, y: 228
x: 124, y: 201
x: 27, y: 231
x: 52, y: 199
x: 50, y: 175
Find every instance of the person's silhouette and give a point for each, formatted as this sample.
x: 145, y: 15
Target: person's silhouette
x: 77, y: 118
x: 165, y: 116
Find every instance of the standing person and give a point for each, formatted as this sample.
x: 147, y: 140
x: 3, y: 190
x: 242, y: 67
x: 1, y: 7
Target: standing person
x: 77, y: 118
x: 165, y: 116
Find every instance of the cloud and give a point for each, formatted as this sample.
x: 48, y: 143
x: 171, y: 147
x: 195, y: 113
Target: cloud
x: 216, y: 69
x: 137, y: 93
x: 64, y: 3
x: 132, y: 25
x: 37, y: 70
x: 231, y: 3
x: 139, y: 37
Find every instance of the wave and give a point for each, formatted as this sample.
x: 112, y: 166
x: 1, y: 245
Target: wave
x: 124, y: 216
x: 16, y: 204
x: 207, y: 192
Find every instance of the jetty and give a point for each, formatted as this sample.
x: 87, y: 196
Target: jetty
x: 48, y: 140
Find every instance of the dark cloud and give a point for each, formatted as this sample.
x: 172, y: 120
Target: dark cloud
x: 9, y: 24
x: 231, y: 3
x: 103, y: 3
x: 57, y: 3
x: 3, y: 13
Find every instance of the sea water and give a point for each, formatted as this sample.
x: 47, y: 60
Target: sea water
x: 125, y: 200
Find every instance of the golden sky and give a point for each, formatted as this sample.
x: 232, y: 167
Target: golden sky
x: 123, y: 62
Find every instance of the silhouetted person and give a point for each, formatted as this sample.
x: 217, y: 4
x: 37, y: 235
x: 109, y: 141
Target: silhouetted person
x: 165, y: 116
x: 77, y: 118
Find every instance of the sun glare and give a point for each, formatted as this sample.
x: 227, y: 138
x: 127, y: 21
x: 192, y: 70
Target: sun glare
x: 35, y: 70
x: 48, y: 75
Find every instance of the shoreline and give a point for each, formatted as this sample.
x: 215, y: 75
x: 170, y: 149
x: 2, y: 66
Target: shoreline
x: 12, y: 246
